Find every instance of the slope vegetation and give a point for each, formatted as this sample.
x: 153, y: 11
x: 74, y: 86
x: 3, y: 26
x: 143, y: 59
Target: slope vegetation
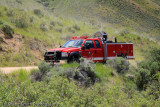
x: 29, y: 27
x: 140, y: 16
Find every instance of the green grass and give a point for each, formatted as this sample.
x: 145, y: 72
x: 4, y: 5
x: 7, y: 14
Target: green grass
x: 103, y: 71
x: 20, y: 76
x: 72, y: 65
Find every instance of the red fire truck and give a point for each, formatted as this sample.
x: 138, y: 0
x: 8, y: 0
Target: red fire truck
x: 98, y: 49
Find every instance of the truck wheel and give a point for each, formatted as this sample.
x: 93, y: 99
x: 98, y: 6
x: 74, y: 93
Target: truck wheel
x: 73, y: 58
x: 124, y: 56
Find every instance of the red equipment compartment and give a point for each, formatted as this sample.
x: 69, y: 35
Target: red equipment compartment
x: 119, y: 50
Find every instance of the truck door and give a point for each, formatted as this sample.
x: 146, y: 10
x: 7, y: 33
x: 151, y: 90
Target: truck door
x: 88, y: 53
x: 98, y: 52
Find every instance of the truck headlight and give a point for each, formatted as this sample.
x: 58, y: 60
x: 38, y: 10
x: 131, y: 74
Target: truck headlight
x: 64, y: 54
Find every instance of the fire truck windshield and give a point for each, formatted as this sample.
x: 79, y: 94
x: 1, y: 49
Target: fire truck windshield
x: 73, y: 43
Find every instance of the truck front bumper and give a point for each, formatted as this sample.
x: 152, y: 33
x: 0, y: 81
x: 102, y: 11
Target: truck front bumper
x: 54, y: 56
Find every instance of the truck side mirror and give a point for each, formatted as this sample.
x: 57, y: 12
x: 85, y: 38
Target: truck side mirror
x: 83, y: 47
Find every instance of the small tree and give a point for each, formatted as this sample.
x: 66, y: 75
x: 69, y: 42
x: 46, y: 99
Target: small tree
x: 38, y: 12
x: 8, y: 31
x: 142, y: 78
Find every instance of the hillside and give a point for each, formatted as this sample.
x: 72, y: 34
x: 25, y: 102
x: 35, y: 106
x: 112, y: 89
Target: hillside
x: 115, y: 84
x: 30, y: 27
x: 141, y: 16
x: 39, y: 26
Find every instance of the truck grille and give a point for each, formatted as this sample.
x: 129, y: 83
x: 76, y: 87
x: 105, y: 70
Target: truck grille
x: 52, y: 56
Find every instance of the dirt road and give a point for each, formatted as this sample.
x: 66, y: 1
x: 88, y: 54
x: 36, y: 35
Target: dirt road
x: 7, y: 70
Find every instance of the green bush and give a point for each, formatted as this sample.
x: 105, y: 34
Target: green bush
x: 154, y: 89
x: 51, y: 27
x: 22, y: 20
x: 10, y: 12
x: 31, y: 19
x: 70, y: 29
x: 44, y: 67
x: 8, y: 31
x: 43, y: 27
x: 142, y: 78
x: 154, y: 56
x: 19, y: 1
x: 38, y: 12
x: 60, y: 24
x: 121, y: 65
x: 1, y: 22
x: 52, y: 23
x: 59, y: 30
x: 39, y: 75
x: 76, y: 27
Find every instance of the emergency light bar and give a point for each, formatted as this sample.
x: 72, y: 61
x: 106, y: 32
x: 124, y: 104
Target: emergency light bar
x: 80, y: 37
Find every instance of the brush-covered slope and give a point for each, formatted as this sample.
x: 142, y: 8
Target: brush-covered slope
x: 142, y: 16
x: 40, y: 25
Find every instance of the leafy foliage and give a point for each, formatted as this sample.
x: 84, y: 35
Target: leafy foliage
x: 22, y: 20
x: 38, y: 12
x: 43, y: 27
x: 142, y: 78
x: 8, y: 31
x: 148, y: 70
x: 61, y: 91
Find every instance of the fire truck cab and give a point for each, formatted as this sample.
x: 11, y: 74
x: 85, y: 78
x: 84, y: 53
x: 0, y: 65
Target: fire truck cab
x: 98, y: 49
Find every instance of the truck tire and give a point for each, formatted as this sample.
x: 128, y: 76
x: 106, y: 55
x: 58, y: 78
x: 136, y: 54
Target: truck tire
x: 73, y: 58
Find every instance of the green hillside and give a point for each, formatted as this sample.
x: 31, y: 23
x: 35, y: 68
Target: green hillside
x: 29, y: 27
x: 142, y: 16
x: 41, y: 25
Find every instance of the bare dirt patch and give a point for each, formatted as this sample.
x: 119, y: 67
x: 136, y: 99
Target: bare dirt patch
x: 8, y: 70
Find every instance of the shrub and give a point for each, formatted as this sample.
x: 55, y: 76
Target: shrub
x: 59, y: 23
x: 1, y: 22
x: 31, y: 19
x: 59, y: 30
x: 38, y: 12
x: 44, y: 67
x: 142, y: 78
x: 70, y: 29
x: 22, y: 20
x: 39, y: 75
x: 121, y: 65
x: 154, y: 89
x: 51, y: 27
x: 43, y: 27
x: 149, y: 65
x: 8, y: 31
x: 76, y: 27
x: 10, y: 13
x: 154, y: 68
x: 52, y: 23
x: 19, y: 1
x: 154, y: 56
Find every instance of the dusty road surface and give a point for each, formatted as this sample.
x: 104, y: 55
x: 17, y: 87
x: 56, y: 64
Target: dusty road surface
x: 7, y: 70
